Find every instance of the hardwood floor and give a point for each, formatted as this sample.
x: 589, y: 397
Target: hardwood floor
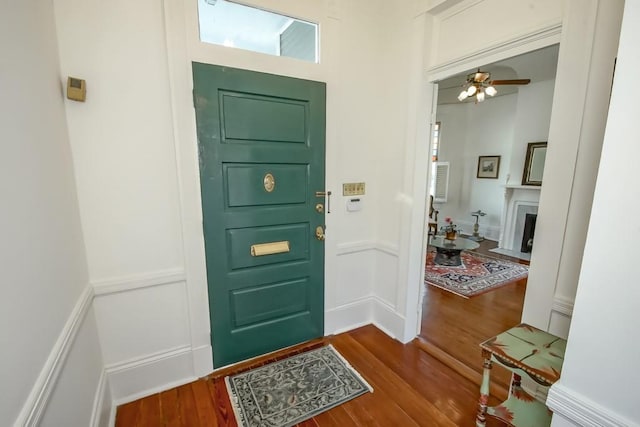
x: 456, y: 326
x: 411, y: 388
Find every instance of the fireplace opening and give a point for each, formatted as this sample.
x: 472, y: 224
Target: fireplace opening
x: 527, y: 234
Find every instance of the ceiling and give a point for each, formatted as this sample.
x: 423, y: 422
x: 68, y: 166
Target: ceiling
x: 538, y: 66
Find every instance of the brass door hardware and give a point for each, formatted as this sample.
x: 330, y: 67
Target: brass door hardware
x: 320, y: 233
x: 269, y: 182
x: 326, y: 194
x: 271, y: 248
x: 319, y: 208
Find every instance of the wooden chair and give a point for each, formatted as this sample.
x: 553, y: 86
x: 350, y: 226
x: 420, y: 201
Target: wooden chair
x: 433, y: 218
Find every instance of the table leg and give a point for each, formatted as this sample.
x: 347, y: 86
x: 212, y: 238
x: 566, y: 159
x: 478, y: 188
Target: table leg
x: 481, y: 420
x: 448, y: 257
x: 515, y: 384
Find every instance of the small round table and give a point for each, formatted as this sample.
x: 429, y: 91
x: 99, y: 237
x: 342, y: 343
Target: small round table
x: 448, y: 251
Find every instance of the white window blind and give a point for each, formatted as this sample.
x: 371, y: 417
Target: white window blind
x: 441, y: 179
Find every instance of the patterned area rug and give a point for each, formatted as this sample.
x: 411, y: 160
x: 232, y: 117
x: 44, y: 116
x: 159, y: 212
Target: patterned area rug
x: 289, y: 391
x: 477, y: 274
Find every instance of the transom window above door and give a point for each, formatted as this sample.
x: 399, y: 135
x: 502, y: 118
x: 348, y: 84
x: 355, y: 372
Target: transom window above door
x: 235, y: 25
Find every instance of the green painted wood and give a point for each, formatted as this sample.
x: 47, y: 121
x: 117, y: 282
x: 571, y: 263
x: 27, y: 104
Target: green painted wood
x: 250, y: 124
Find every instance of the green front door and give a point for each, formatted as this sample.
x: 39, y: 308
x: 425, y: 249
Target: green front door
x: 261, y: 146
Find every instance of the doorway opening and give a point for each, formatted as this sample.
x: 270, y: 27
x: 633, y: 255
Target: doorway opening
x: 484, y: 145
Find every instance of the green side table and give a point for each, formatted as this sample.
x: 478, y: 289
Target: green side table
x: 524, y: 350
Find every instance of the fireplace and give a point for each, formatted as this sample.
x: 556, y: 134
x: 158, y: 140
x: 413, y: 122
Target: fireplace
x: 528, y: 232
x: 518, y: 202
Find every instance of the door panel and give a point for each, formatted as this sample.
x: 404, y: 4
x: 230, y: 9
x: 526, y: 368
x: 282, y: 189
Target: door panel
x: 273, y: 300
x: 245, y: 184
x: 240, y: 241
x: 249, y: 117
x: 252, y: 126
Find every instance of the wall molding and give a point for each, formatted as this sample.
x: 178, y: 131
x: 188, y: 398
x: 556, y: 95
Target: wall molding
x: 354, y: 247
x: 99, y: 400
x: 387, y: 248
x: 581, y: 410
x: 367, y: 245
x: 549, y: 34
x: 563, y: 305
x: 36, y: 402
x: 139, y: 281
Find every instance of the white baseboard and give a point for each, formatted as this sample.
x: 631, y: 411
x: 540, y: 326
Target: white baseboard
x: 387, y: 319
x: 36, y: 402
x: 102, y: 404
x: 202, y: 360
x: 563, y: 305
x: 581, y: 410
x: 348, y: 316
x: 150, y: 374
x: 365, y: 311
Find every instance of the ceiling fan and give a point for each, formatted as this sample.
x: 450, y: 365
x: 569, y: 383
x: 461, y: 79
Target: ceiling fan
x: 480, y: 83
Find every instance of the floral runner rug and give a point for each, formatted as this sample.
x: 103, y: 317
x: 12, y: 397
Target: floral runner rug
x: 477, y: 274
x: 286, y: 392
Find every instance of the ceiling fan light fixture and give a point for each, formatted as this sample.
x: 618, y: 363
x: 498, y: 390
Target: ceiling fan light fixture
x: 480, y: 96
x: 463, y: 95
x: 471, y: 90
x: 491, y: 91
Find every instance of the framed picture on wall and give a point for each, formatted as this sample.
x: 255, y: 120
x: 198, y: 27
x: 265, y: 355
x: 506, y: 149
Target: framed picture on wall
x: 488, y: 167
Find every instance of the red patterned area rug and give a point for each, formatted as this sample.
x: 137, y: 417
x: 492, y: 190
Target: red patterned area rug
x: 477, y: 274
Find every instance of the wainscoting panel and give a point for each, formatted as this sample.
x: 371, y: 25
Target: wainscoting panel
x: 354, y: 276
x: 70, y: 387
x: 78, y: 396
x: 386, y: 274
x: 364, y: 295
x: 561, y: 313
x: 145, y: 320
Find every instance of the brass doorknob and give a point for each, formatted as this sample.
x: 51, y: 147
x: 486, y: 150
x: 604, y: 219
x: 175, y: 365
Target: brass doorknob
x: 319, y: 233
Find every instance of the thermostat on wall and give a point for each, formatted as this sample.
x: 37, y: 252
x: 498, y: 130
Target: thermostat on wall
x: 354, y: 204
x: 76, y: 89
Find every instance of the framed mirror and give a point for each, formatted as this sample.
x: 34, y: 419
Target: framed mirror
x: 534, y: 163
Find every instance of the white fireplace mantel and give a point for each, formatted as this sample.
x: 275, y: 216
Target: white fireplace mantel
x: 515, y: 196
x: 522, y: 187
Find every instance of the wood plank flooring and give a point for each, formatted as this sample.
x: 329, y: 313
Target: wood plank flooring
x: 457, y: 326
x: 411, y: 388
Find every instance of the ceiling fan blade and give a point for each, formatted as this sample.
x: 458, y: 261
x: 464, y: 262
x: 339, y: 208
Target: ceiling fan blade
x: 511, y: 82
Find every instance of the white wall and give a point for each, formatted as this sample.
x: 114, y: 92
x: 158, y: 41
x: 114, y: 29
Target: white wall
x: 500, y: 126
x: 44, y: 269
x: 602, y: 339
x: 135, y: 154
x: 580, y: 102
x: 533, y: 115
x: 578, y: 115
x: 470, y: 130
